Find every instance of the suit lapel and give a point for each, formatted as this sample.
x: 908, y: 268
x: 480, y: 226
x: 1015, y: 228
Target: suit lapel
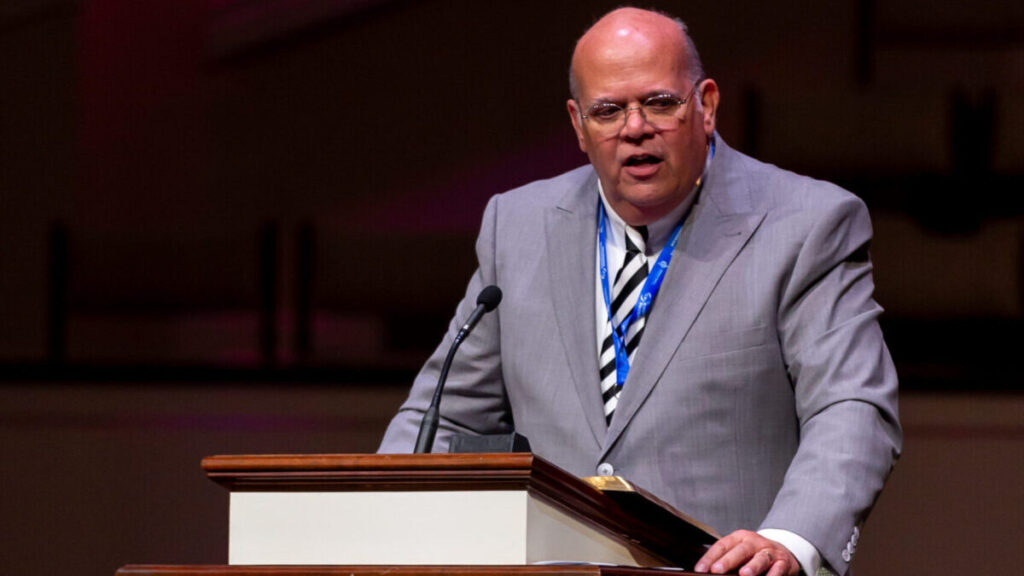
x: 718, y: 227
x: 571, y: 229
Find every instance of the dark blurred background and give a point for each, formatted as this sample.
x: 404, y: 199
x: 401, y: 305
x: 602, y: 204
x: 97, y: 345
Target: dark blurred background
x: 239, y: 226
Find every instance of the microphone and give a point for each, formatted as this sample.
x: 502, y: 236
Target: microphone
x: 488, y: 300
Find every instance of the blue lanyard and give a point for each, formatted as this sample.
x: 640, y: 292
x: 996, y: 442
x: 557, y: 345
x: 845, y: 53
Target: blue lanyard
x: 651, y: 285
x: 647, y: 294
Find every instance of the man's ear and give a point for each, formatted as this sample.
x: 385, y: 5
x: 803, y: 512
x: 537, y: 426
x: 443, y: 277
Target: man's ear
x: 574, y: 117
x: 709, y: 105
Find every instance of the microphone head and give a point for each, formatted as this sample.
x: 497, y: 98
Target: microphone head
x: 489, y: 298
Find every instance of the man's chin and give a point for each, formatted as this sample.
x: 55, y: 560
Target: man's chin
x: 641, y: 207
x: 647, y: 196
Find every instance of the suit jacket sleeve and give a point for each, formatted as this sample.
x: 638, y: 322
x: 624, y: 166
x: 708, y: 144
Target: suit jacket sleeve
x: 844, y: 385
x: 474, y: 399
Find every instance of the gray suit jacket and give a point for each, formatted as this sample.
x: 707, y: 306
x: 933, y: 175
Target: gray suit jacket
x: 762, y: 394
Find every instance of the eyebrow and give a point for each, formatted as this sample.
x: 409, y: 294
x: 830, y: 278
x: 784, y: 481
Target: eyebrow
x: 642, y: 98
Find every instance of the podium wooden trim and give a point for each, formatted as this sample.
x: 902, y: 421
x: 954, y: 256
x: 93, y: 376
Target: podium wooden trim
x: 663, y: 538
x: 395, y: 570
x: 513, y: 471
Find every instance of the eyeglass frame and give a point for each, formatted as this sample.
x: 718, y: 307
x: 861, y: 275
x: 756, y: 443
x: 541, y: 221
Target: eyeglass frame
x: 643, y: 112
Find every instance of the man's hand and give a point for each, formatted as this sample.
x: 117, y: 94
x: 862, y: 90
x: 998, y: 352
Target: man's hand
x: 751, y: 553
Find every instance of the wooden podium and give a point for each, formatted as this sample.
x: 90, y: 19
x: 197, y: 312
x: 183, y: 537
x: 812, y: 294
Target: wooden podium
x: 429, y: 514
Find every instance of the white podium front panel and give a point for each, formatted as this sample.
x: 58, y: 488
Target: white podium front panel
x: 410, y: 527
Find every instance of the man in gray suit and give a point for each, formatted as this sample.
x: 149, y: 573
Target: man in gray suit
x: 682, y: 315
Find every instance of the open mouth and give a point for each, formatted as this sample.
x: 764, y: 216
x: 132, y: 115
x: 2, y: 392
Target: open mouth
x: 642, y: 160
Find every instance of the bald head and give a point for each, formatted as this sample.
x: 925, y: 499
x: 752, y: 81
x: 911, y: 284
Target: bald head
x: 642, y: 27
x: 647, y: 163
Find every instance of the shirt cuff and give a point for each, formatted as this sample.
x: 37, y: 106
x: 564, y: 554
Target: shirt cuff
x: 804, y: 552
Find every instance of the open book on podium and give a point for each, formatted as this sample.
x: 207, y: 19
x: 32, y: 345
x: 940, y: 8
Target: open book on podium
x: 444, y: 509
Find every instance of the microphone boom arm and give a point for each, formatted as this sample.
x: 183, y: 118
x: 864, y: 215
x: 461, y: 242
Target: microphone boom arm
x: 488, y: 300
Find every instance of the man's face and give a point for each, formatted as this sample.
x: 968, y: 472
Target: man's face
x: 646, y: 171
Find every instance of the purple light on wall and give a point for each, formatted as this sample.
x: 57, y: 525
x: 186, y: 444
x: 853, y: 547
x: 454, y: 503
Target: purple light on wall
x: 455, y: 204
x: 235, y: 25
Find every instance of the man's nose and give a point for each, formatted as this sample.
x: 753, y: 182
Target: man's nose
x: 636, y: 124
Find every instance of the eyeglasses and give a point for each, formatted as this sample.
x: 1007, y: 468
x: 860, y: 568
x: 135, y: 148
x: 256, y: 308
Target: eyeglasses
x: 660, y: 111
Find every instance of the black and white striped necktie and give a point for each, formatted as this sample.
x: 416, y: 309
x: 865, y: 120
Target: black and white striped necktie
x: 629, y: 282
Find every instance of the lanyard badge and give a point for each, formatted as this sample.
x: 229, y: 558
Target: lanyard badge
x: 647, y: 294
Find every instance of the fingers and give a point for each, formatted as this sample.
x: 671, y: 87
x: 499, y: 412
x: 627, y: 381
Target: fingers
x: 726, y: 554
x: 779, y: 568
x: 760, y: 563
x: 750, y: 553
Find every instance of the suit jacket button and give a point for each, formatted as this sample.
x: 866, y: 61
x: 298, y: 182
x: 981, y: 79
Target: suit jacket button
x: 605, y: 469
x: 846, y: 555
